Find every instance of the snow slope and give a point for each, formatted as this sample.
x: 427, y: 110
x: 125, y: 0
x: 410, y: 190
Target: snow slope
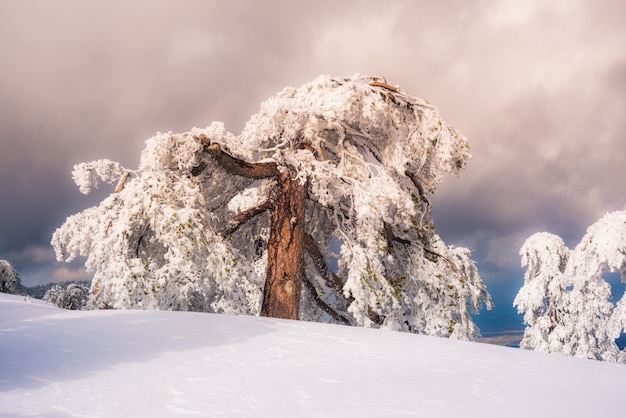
x: 57, y: 363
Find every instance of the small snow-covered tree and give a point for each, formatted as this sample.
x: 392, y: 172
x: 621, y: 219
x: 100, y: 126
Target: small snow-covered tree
x: 338, y: 171
x: 565, y: 298
x: 541, y: 297
x: 9, y: 278
x: 73, y: 296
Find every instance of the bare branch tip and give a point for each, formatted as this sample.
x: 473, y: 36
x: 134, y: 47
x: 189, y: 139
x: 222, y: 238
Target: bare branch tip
x: 203, y: 138
x: 213, y: 149
x: 384, y: 85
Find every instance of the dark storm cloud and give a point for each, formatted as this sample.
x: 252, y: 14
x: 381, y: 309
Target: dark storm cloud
x: 538, y: 87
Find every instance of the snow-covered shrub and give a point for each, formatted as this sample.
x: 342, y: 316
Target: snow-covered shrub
x: 9, y: 278
x: 73, y: 296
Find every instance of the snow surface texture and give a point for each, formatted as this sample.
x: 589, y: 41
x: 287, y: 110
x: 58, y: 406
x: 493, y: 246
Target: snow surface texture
x: 371, y: 157
x: 59, y: 363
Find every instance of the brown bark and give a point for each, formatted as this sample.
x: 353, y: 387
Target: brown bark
x: 384, y: 85
x: 283, y: 285
x: 239, y: 167
x: 285, y: 263
x: 122, y: 182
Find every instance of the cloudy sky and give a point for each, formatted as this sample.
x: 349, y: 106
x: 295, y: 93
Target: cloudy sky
x: 538, y: 87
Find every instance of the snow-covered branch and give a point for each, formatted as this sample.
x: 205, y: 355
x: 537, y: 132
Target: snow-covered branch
x: 245, y: 216
x: 240, y: 167
x: 313, y: 251
x: 86, y: 175
x: 323, y: 305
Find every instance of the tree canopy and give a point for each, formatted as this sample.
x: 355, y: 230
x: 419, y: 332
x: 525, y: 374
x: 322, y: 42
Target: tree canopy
x: 334, y: 177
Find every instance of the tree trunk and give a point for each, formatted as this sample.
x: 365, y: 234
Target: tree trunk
x: 281, y: 296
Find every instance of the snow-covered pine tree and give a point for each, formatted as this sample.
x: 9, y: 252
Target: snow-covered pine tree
x: 565, y: 299
x: 9, y: 278
x: 318, y: 210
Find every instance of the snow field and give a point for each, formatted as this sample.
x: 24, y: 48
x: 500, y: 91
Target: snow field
x: 58, y: 363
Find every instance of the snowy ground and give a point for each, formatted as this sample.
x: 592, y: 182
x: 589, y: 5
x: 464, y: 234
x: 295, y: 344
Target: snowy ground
x: 57, y: 363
